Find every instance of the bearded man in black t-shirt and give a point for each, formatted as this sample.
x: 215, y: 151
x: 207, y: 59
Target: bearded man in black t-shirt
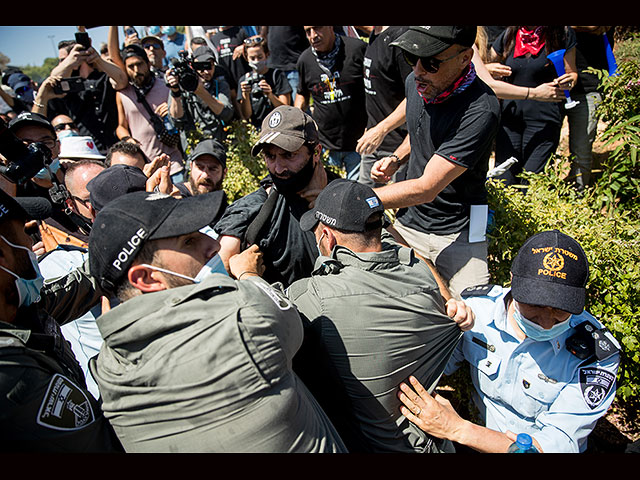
x: 289, y: 144
x: 452, y: 119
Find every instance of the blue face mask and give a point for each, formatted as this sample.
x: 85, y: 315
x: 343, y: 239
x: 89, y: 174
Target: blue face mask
x: 45, y: 174
x: 28, y: 289
x: 67, y: 133
x: 535, y: 331
x: 154, y: 30
x: 214, y: 265
x: 168, y: 30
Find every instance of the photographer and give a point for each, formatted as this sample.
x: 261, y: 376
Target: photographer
x: 263, y: 88
x: 143, y: 111
x: 200, y: 96
x: 90, y: 102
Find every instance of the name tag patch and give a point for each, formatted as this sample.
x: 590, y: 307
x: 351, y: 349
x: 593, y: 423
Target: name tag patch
x: 65, y: 406
x: 596, y: 385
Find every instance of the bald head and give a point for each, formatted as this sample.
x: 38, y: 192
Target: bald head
x: 76, y: 178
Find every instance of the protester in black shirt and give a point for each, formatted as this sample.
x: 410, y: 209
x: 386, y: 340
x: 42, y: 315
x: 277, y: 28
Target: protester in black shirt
x: 452, y: 119
x: 289, y: 142
x: 286, y: 43
x: 331, y: 73
x: 385, y: 71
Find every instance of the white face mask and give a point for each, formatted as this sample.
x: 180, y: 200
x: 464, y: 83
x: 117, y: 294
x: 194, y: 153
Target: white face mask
x: 318, y: 244
x: 535, y: 331
x: 214, y: 265
x: 28, y: 289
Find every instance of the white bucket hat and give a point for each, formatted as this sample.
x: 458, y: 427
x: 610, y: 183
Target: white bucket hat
x: 77, y: 147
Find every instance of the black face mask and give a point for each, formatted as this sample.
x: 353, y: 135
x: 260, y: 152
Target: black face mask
x: 297, y: 181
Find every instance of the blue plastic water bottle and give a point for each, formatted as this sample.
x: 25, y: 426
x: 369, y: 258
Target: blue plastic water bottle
x: 523, y: 444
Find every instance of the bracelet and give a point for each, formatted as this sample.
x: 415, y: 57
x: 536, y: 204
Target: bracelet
x: 396, y: 157
x: 247, y: 271
x: 528, y: 90
x: 39, y: 105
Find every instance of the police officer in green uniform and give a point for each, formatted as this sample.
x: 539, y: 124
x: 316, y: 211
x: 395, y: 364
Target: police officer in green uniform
x: 374, y: 314
x: 44, y: 402
x: 193, y: 360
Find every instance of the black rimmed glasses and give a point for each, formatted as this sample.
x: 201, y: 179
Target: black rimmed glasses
x: 429, y: 64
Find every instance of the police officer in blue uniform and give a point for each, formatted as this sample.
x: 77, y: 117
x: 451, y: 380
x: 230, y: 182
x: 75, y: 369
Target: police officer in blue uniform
x: 539, y: 362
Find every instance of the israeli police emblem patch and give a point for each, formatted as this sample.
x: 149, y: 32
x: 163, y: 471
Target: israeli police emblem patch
x: 65, y: 406
x: 596, y: 385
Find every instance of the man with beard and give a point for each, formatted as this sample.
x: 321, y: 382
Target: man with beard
x: 93, y: 110
x: 134, y: 121
x: 452, y: 118
x: 290, y: 146
x: 209, y: 107
x: 207, y: 169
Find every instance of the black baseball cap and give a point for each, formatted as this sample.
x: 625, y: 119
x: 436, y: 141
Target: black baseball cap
x: 210, y: 147
x: 203, y: 54
x: 113, y: 182
x: 134, y: 50
x: 123, y: 226
x: 23, y: 208
x: 286, y: 127
x: 551, y: 270
x: 30, y: 118
x: 345, y: 205
x: 427, y: 41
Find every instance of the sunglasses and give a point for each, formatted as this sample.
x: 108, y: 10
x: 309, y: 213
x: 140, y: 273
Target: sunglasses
x: 202, y: 66
x: 253, y: 40
x: 155, y: 46
x: 429, y: 64
x: 62, y: 126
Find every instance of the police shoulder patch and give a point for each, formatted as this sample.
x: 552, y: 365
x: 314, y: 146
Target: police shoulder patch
x: 595, y: 383
x: 65, y: 406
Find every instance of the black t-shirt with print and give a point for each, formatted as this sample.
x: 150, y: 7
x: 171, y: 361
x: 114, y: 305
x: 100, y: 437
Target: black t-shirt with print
x: 338, y: 101
x: 461, y: 129
x: 385, y: 71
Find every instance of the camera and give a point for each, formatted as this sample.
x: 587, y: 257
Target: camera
x: 69, y: 85
x: 24, y: 161
x: 253, y: 79
x: 187, y: 76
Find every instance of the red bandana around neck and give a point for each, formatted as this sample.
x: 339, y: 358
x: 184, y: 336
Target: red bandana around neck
x: 528, y: 41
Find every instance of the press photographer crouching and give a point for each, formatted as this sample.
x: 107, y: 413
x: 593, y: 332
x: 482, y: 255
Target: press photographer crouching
x: 200, y: 95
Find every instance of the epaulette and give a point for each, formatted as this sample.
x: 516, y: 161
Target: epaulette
x: 591, y: 340
x: 478, y: 291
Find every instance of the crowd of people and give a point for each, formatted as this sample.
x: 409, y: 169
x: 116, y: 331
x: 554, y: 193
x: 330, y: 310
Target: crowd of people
x: 142, y: 311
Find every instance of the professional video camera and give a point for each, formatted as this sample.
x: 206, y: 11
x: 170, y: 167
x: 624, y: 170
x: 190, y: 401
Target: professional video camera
x: 23, y: 161
x: 187, y: 76
x: 253, y: 79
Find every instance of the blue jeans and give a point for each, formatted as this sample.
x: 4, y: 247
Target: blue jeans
x: 294, y: 80
x: 350, y: 161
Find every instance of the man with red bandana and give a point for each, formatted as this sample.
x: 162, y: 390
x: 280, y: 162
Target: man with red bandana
x: 452, y: 118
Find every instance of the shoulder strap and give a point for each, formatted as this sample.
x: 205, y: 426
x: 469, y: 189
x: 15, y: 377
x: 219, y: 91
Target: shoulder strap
x: 253, y: 231
x: 156, y: 122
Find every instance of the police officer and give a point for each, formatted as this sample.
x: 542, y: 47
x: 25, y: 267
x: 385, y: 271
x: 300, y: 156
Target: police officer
x: 193, y: 360
x: 44, y: 402
x: 374, y: 314
x: 540, y: 363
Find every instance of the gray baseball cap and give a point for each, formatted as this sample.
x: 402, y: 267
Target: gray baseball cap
x: 286, y: 127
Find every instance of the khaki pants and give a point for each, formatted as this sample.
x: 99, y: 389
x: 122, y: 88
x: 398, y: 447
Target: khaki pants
x: 460, y: 263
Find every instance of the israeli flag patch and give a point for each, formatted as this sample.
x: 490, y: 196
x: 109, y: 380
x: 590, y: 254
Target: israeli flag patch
x: 373, y: 202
